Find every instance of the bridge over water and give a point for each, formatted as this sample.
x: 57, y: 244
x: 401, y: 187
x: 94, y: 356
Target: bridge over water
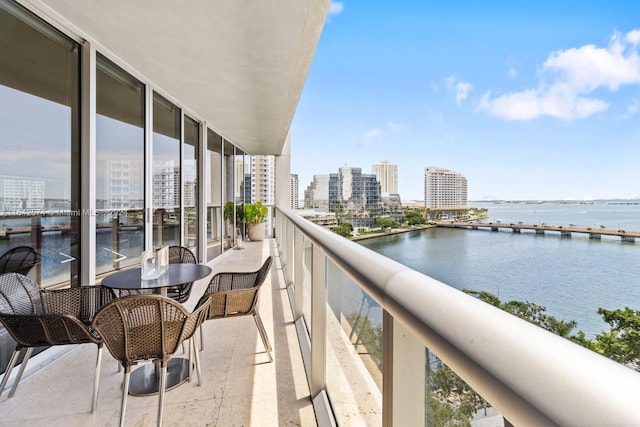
x: 563, y: 230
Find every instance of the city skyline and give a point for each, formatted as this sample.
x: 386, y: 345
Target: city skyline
x: 528, y: 101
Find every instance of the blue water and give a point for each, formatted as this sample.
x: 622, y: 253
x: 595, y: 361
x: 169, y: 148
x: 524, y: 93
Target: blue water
x: 571, y: 277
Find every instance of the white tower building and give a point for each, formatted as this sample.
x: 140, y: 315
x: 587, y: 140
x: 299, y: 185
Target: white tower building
x: 444, y: 188
x: 387, y: 174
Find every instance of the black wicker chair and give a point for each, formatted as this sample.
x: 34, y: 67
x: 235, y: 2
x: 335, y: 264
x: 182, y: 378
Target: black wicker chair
x: 36, y: 317
x: 20, y: 259
x: 236, y: 294
x: 180, y: 255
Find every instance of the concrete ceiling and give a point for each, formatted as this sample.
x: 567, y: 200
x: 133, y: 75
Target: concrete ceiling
x: 240, y: 65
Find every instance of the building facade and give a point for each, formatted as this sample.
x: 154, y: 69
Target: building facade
x: 263, y: 177
x: 293, y: 187
x: 445, y: 193
x: 387, y: 174
x: 349, y: 192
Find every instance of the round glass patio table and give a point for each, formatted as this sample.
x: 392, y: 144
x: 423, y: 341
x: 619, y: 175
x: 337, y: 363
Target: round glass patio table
x: 144, y: 379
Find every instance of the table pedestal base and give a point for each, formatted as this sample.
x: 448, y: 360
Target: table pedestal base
x: 144, y: 379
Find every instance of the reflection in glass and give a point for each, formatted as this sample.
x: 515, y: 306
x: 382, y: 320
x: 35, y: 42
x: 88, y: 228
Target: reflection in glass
x: 189, y: 183
x: 39, y: 146
x: 166, y: 173
x: 120, y: 168
x: 450, y: 401
x: 39, y: 142
x: 214, y: 194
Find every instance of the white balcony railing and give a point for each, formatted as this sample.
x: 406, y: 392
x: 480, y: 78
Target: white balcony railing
x: 531, y: 376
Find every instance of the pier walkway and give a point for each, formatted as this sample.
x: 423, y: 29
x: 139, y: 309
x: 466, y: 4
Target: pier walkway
x: 563, y: 230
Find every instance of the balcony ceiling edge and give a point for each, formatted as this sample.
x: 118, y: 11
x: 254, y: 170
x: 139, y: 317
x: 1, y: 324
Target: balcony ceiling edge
x: 240, y: 66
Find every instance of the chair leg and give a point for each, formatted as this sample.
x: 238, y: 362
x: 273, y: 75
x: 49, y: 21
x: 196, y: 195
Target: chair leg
x: 161, y: 387
x: 201, y: 338
x: 263, y: 334
x: 96, y: 383
x: 197, y: 359
x: 7, y: 372
x: 125, y: 392
x: 190, y: 358
x: 23, y: 365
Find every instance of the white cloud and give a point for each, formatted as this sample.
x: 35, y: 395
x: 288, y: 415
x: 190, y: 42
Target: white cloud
x: 371, y: 136
x: 396, y: 127
x: 513, y: 72
x: 336, y: 8
x: 633, y: 37
x: 460, y: 88
x: 567, y: 77
x: 462, y: 91
x: 632, y: 109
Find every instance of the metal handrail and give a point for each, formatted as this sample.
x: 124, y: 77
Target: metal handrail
x: 530, y: 375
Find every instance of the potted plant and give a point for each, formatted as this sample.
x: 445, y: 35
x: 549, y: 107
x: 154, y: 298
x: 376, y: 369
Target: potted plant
x: 255, y: 214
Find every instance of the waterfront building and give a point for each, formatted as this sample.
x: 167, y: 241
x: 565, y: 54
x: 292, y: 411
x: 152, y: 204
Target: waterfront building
x: 349, y: 191
x: 21, y: 192
x: 294, y: 191
x: 445, y: 193
x: 387, y: 175
x: 121, y: 187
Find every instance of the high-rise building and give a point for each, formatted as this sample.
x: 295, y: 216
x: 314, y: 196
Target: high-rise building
x: 122, y: 186
x: 348, y: 191
x: 166, y: 185
x: 263, y: 178
x: 444, y: 188
x: 21, y: 193
x: 316, y: 196
x: 387, y: 174
x: 293, y: 190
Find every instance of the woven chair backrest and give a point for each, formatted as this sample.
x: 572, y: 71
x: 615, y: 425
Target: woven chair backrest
x: 235, y: 294
x: 19, y: 259
x: 264, y: 270
x: 19, y: 295
x: 142, y: 327
x: 181, y: 255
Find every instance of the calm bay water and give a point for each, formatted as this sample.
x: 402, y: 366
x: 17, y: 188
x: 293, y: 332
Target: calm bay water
x: 571, y: 277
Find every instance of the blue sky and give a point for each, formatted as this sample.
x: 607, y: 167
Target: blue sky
x: 530, y: 101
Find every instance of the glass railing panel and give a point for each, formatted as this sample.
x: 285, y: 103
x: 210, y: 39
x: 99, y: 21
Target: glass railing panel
x: 449, y: 401
x: 354, y: 351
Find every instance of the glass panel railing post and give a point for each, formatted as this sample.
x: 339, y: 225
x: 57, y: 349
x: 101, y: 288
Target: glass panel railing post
x: 298, y: 273
x: 403, y: 388
x: 317, y: 382
x: 288, y: 252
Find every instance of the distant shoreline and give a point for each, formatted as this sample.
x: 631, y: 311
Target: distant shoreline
x: 568, y: 202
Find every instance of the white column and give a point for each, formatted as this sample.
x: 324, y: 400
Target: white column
x: 88, y: 166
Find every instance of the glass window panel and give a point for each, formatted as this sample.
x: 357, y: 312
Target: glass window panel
x: 39, y: 141
x: 166, y: 173
x: 189, y: 181
x: 120, y: 167
x: 214, y: 194
x: 40, y: 146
